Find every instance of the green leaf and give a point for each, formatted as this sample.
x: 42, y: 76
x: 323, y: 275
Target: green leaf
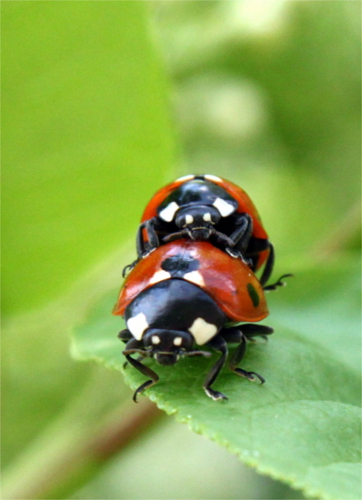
x: 302, y: 426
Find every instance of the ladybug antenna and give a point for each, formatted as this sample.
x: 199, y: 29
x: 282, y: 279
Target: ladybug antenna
x: 142, y: 352
x: 206, y: 354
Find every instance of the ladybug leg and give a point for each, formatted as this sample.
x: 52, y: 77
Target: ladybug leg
x: 237, y: 242
x: 242, y: 234
x: 223, y: 240
x: 133, y: 346
x: 143, y: 248
x: 268, y: 266
x: 129, y: 268
x: 254, y: 248
x: 146, y: 371
x: 125, y: 335
x: 238, y: 356
x: 233, y: 334
x: 125, y: 364
x: 268, y: 270
x: 278, y: 283
x: 251, y: 330
x: 140, y: 242
x: 219, y: 345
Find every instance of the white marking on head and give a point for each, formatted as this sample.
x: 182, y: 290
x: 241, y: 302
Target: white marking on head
x: 137, y: 325
x: 168, y: 213
x: 155, y: 339
x: 189, y: 219
x: 207, y: 217
x: 202, y: 331
x: 185, y: 178
x: 212, y: 178
x: 194, y: 277
x: 223, y: 207
x: 177, y: 341
x: 160, y: 275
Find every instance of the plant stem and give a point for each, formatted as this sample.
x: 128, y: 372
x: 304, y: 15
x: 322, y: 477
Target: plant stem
x: 71, y: 450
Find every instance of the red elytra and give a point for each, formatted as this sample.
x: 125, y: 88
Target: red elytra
x: 245, y: 205
x: 229, y: 281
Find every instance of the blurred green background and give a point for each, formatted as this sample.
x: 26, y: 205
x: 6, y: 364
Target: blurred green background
x: 103, y: 103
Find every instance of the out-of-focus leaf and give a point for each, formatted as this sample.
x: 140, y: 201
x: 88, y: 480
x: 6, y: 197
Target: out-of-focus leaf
x: 303, y: 424
x: 86, y: 135
x: 270, y: 93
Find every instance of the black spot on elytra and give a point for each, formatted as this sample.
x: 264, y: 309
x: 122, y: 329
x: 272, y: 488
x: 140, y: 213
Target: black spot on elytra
x: 253, y: 294
x: 179, y: 265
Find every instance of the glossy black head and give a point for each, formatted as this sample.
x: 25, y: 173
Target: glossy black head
x: 166, y: 346
x: 197, y: 220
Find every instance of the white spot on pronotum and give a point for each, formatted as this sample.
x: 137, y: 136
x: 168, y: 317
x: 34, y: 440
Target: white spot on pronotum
x: 185, y: 178
x: 189, y: 219
x: 168, y: 213
x: 160, y: 275
x: 137, y: 325
x: 177, y: 341
x: 212, y: 178
x: 194, y: 277
x: 207, y: 217
x: 223, y: 207
x: 202, y: 331
x: 155, y: 339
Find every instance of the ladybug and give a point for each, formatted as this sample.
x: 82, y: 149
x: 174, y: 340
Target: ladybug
x: 206, y: 208
x: 184, y: 295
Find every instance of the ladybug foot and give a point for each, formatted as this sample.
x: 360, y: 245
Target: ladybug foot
x: 142, y: 388
x: 252, y: 376
x: 128, y: 269
x: 278, y: 283
x: 215, y: 395
x: 233, y: 253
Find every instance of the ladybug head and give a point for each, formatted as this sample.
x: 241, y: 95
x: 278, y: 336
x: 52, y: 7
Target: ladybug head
x: 198, y: 221
x: 166, y: 346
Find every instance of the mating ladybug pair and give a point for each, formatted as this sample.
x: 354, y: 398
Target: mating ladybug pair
x: 199, y: 243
